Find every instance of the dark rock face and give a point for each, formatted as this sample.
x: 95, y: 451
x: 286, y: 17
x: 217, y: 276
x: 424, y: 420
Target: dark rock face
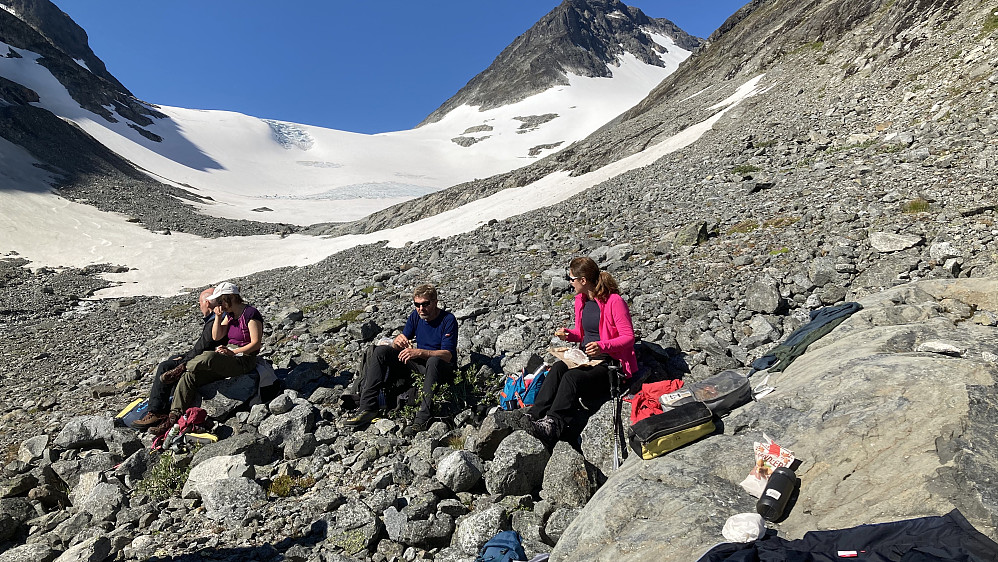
x: 582, y: 37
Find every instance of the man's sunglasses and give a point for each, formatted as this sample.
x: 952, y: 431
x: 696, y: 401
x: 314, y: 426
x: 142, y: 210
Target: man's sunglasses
x: 423, y: 304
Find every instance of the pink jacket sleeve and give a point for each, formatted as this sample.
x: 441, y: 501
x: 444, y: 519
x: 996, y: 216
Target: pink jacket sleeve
x: 575, y: 334
x: 621, y: 331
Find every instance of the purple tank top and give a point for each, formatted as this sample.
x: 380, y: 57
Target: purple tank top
x: 239, y: 334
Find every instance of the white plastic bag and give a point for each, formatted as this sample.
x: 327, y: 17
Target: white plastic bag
x: 743, y: 527
x: 577, y: 356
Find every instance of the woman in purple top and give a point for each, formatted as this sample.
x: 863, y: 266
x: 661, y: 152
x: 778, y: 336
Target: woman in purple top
x: 604, y: 331
x: 243, y: 324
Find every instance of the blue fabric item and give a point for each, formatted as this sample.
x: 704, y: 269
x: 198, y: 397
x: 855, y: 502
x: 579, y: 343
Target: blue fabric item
x: 516, y: 394
x: 441, y: 333
x: 506, y: 546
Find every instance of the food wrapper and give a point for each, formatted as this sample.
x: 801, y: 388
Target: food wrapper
x: 573, y: 360
x: 768, y: 457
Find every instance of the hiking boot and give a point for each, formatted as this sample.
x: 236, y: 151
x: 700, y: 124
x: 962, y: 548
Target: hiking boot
x: 148, y: 420
x: 362, y: 419
x: 548, y: 430
x: 414, y: 429
x: 174, y: 374
x: 165, y: 425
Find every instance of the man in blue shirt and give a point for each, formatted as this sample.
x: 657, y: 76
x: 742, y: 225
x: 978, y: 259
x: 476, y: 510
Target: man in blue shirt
x: 427, y: 345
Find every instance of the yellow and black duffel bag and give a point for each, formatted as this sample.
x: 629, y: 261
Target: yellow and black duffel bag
x: 656, y: 435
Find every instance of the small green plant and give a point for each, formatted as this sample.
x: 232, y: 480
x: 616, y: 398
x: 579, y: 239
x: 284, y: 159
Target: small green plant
x: 859, y: 145
x: 349, y: 316
x: 779, y: 251
x: 456, y: 442
x: 915, y: 206
x: 990, y: 24
x: 11, y: 453
x: 743, y: 227
x: 285, y: 485
x: 309, y: 308
x: 176, y: 311
x: 780, y: 222
x: 742, y: 169
x: 889, y: 148
x: 165, y: 479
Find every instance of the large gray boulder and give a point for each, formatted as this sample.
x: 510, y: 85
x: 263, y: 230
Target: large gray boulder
x: 32, y: 449
x: 104, y: 501
x: 231, y: 499
x: 478, y: 527
x: 353, y: 527
x: 460, y: 471
x: 35, y: 552
x: 257, y: 449
x: 889, y: 242
x: 567, y: 479
x: 763, y: 296
x: 214, y: 469
x: 432, y: 532
x: 220, y: 398
x: 84, y: 432
x: 874, y: 422
x: 518, y: 466
x: 598, y: 442
x: 96, y: 549
x: 294, y: 424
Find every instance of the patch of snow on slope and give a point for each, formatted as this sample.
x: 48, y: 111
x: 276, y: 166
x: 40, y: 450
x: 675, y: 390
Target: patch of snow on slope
x: 10, y: 10
x: 370, y: 190
x: 49, y: 230
x: 235, y: 160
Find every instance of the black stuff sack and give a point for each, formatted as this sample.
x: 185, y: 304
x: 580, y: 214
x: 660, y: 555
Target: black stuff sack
x: 656, y: 435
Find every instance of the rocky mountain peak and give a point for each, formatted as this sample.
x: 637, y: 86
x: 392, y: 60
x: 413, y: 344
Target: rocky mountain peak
x: 581, y: 37
x: 62, y: 32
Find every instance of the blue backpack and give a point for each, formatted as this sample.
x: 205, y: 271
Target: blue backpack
x: 506, y: 546
x: 521, y: 389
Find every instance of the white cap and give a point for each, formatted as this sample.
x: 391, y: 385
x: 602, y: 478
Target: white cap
x: 224, y: 288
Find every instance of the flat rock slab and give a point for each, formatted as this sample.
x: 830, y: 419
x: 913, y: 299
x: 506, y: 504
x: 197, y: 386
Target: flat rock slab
x: 887, y: 242
x: 874, y: 422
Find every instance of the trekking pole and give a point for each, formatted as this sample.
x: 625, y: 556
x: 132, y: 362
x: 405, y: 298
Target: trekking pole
x: 614, y: 371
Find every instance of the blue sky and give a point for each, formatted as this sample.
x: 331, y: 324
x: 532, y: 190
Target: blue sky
x: 367, y: 66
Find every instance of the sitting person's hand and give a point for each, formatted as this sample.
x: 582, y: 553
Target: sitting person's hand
x: 561, y: 333
x: 592, y: 349
x: 224, y: 351
x: 411, y: 353
x: 401, y: 342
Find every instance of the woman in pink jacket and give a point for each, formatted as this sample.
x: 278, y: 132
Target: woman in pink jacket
x: 604, y: 331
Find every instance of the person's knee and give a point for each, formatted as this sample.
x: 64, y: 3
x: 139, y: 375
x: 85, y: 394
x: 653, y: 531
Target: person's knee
x: 188, y: 380
x: 382, y: 352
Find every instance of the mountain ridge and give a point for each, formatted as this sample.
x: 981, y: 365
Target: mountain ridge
x: 578, y: 37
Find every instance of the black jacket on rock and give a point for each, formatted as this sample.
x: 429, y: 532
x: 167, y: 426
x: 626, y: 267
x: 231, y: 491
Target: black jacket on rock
x: 948, y: 538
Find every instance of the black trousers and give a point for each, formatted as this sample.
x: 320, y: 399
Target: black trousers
x: 384, y: 367
x: 563, y: 388
x: 159, y: 394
